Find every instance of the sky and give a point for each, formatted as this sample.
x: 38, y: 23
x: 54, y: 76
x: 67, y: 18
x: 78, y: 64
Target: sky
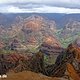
x: 40, y: 6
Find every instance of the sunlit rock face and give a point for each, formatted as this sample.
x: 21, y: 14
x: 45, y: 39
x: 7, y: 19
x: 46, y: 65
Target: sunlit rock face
x: 52, y: 41
x: 33, y: 30
x: 77, y: 42
x: 51, y: 46
x: 1, y: 45
x: 36, y: 22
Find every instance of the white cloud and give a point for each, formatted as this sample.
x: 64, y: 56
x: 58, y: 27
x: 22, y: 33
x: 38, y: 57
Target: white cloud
x: 41, y: 9
x: 48, y: 9
x: 56, y: 3
x: 41, y: 6
x: 41, y: 1
x: 20, y: 1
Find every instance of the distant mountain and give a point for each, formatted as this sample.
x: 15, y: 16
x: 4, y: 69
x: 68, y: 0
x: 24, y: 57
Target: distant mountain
x: 77, y: 41
x: 37, y: 27
x: 32, y: 30
x: 70, y: 32
x: 72, y: 27
x: 60, y: 18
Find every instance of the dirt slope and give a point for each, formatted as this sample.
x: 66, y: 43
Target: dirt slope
x: 28, y: 76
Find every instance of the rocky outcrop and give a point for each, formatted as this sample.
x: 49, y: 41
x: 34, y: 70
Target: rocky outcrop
x: 50, y: 46
x: 71, y: 28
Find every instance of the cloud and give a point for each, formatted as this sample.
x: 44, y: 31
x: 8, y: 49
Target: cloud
x: 39, y: 9
x: 21, y: 1
x: 57, y: 3
x: 40, y: 1
x: 40, y: 6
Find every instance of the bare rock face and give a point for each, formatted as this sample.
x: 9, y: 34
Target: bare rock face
x: 73, y: 25
x: 36, y: 22
x: 52, y: 41
x: 51, y: 48
x: 50, y: 45
x: 32, y: 30
x: 1, y: 45
x: 71, y: 28
x: 77, y: 42
x: 37, y: 28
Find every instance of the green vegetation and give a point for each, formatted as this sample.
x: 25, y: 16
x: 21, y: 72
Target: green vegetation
x: 69, y: 39
x: 2, y: 51
x: 49, y: 59
x: 32, y: 48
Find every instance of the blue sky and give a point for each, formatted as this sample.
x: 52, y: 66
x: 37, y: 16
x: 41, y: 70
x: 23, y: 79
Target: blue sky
x: 40, y: 6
